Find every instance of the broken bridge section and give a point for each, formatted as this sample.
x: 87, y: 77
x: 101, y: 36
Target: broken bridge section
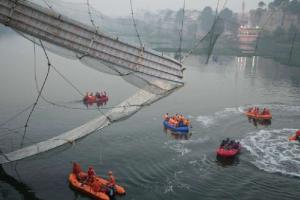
x: 156, y: 75
x: 90, y: 45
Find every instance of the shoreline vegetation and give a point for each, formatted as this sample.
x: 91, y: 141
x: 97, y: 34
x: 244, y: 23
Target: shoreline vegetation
x: 279, y: 37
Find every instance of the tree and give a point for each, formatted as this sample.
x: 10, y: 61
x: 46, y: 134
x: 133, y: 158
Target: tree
x: 206, y: 18
x: 279, y: 33
x: 278, y: 4
x: 261, y: 4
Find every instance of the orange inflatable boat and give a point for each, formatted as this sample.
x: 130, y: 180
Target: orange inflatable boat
x: 259, y: 116
x: 91, y: 190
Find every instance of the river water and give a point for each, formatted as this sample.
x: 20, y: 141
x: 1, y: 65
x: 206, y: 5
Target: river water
x: 149, y: 162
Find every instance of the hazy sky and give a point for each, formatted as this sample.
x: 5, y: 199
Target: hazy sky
x: 122, y: 7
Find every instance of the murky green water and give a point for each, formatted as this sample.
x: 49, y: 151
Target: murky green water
x: 148, y: 162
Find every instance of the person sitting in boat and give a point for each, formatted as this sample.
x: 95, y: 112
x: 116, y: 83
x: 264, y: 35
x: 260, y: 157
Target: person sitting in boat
x: 181, y: 120
x: 173, y: 121
x: 76, y: 170
x: 111, y: 179
x: 80, y: 175
x: 176, y: 117
x: 166, y: 117
x: 97, y: 94
x: 91, y: 174
x: 111, y: 184
x: 236, y: 145
x: 297, y: 135
x: 230, y: 144
x: 86, y: 96
x: 186, y: 122
x: 267, y: 111
x: 223, y: 143
x: 250, y: 109
x: 104, y: 93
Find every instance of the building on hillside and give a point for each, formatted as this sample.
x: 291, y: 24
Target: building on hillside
x: 247, y: 38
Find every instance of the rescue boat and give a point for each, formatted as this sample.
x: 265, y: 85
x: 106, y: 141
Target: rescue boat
x: 259, y: 116
x: 179, y: 129
x: 228, y: 152
x: 94, y: 99
x: 88, y: 190
x: 292, y: 138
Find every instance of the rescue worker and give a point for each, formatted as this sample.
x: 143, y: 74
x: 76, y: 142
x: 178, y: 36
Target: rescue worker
x: 111, y: 179
x: 166, y: 117
x: 297, y: 135
x: 76, y: 170
x: 111, y: 184
x: 91, y: 174
x: 97, y: 94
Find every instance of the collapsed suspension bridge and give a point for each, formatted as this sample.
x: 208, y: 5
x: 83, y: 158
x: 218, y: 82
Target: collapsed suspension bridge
x: 156, y: 75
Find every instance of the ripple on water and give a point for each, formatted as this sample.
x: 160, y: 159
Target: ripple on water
x: 208, y: 121
x: 174, y: 182
x: 182, y: 146
x: 273, y: 152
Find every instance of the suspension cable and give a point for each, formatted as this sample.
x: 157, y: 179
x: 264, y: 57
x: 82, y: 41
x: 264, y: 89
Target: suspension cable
x: 135, y: 26
x: 181, y: 33
x: 207, y: 34
x: 47, y: 4
x: 90, y: 15
x: 16, y: 115
x: 39, y: 94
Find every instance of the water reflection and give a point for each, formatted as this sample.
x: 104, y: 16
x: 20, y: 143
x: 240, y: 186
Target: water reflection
x: 97, y: 103
x: 176, y: 135
x: 227, y: 161
x: 19, y: 186
x: 256, y: 122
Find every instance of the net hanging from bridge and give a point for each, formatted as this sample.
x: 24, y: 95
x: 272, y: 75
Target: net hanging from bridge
x: 156, y: 75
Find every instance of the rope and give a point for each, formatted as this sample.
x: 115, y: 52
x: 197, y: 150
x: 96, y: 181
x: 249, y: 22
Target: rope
x: 292, y: 48
x: 39, y: 94
x: 57, y: 71
x: 135, y: 26
x: 181, y: 33
x: 209, y: 33
x: 90, y: 14
x: 61, y: 105
x: 11, y: 131
x: 47, y: 4
x: 4, y: 155
x: 16, y: 115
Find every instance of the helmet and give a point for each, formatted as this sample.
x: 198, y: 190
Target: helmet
x: 110, y: 172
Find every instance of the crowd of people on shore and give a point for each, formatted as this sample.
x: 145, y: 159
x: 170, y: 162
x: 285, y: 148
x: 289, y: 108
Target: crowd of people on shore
x: 256, y: 111
x: 176, y: 120
x: 229, y: 144
x: 89, y: 178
